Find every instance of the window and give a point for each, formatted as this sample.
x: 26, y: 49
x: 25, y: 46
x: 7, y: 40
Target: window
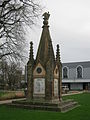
x: 65, y: 72
x: 79, y: 71
x: 39, y: 70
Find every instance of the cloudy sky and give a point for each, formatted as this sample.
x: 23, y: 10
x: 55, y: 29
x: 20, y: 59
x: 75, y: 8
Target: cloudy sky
x: 69, y: 27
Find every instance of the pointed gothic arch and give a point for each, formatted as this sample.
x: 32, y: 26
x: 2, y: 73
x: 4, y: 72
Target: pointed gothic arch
x: 65, y: 72
x: 79, y: 71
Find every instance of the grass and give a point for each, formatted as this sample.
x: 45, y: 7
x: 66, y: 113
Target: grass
x: 1, y: 93
x: 80, y: 113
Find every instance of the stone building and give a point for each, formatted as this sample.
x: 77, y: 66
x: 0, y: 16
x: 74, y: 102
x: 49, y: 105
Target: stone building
x: 44, y: 72
x: 76, y: 75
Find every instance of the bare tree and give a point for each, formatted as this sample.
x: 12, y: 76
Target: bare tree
x: 10, y: 75
x: 14, y: 75
x: 14, y: 16
x: 3, y: 73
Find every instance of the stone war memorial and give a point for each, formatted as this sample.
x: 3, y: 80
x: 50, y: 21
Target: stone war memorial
x: 44, y: 73
x: 44, y: 77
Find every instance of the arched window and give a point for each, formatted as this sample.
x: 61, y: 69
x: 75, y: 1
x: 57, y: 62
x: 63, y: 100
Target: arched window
x: 79, y: 72
x: 65, y: 72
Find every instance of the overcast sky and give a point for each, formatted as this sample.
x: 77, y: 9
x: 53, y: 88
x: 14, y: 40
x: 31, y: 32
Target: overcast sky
x: 69, y: 27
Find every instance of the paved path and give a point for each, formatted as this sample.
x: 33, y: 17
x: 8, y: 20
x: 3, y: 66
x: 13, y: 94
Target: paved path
x: 72, y: 93
x: 10, y: 101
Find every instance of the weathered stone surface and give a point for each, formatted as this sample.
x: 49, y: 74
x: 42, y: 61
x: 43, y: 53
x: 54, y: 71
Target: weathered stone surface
x: 44, y: 67
x: 30, y: 66
x: 63, y: 106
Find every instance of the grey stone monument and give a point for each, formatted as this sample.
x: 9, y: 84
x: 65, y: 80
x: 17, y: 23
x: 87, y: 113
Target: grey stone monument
x: 44, y: 73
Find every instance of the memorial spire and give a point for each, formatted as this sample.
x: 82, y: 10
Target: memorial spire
x: 42, y: 53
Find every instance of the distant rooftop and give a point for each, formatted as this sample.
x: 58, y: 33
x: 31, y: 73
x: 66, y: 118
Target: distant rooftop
x: 84, y: 64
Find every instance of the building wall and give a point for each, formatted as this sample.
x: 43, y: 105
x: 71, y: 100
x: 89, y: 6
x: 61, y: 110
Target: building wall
x: 73, y: 82
x: 72, y: 73
x: 86, y: 73
x: 76, y: 86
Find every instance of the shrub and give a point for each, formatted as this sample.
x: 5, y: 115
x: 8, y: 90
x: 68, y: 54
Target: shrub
x: 12, y: 95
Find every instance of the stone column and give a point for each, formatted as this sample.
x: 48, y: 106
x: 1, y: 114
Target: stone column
x: 30, y: 66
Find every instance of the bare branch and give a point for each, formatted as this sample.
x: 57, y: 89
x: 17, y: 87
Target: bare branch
x: 14, y: 16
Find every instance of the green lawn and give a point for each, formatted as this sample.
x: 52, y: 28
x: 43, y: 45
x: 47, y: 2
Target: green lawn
x: 1, y: 93
x: 79, y: 113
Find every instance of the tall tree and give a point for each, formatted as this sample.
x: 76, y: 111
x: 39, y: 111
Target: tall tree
x: 14, y: 16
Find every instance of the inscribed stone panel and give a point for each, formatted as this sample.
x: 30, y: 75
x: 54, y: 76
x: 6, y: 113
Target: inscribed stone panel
x: 39, y: 86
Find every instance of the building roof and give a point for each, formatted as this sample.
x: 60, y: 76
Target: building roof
x: 84, y: 64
